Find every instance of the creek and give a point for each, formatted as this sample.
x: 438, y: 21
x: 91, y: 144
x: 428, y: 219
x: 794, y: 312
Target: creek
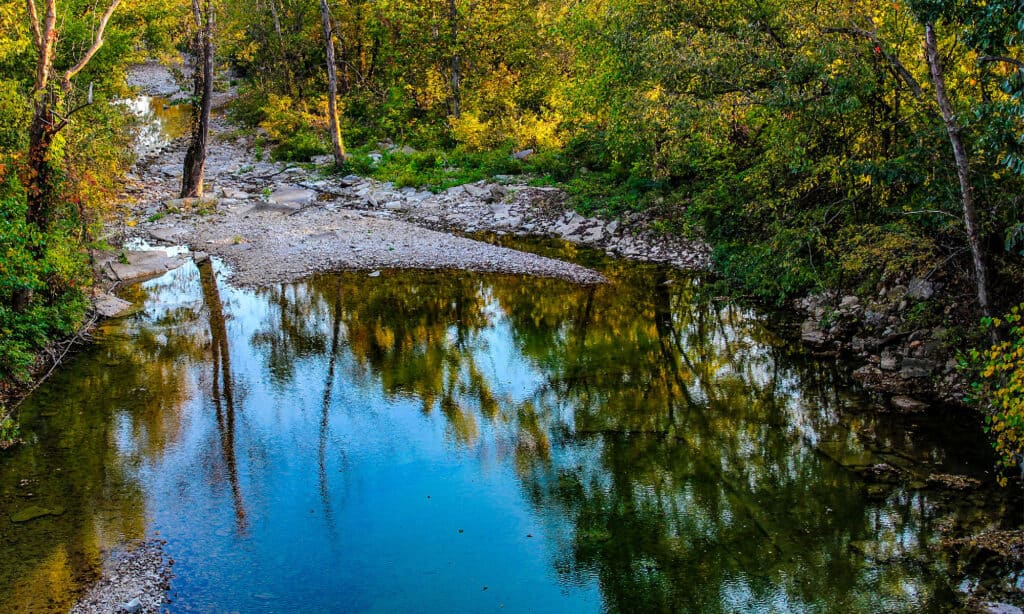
x: 445, y: 441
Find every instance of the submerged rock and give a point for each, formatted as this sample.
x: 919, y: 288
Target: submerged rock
x: 33, y: 512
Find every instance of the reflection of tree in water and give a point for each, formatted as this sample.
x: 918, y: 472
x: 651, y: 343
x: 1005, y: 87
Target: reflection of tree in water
x: 222, y: 388
x: 699, y: 491
x: 672, y: 432
x: 418, y: 338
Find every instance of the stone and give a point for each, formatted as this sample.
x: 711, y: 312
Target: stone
x: 811, y: 335
x: 171, y: 170
x: 916, y: 368
x: 477, y: 191
x: 897, y: 293
x: 234, y: 194
x: 132, y: 607
x: 848, y: 302
x: 349, y: 180
x: 612, y: 227
x: 292, y: 196
x: 395, y: 206
x: 165, y: 235
x: 920, y: 290
x: 200, y: 257
x: 907, y: 404
x: 142, y: 265
x: 322, y: 160
x: 592, y: 235
x: 109, y: 306
x: 570, y: 225
x: 889, y: 361
x: 874, y: 318
x: 524, y: 154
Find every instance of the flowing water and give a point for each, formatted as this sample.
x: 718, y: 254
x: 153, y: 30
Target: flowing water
x: 438, y: 441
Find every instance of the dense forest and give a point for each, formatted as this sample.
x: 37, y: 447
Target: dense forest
x: 814, y: 146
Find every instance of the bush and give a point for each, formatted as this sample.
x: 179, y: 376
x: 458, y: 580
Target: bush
x: 999, y: 387
x: 57, y: 305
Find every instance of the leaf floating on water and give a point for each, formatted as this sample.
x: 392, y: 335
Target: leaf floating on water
x: 34, y: 511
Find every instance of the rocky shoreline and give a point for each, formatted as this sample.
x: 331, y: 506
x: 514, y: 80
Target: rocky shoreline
x: 911, y: 365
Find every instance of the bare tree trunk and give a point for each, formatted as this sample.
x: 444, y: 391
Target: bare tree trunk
x: 337, y: 144
x: 963, y: 169
x: 195, y: 156
x: 456, y: 62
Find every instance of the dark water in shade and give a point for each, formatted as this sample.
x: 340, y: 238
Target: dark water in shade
x: 424, y: 442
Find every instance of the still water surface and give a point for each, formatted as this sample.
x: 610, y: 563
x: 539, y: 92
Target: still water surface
x: 437, y: 441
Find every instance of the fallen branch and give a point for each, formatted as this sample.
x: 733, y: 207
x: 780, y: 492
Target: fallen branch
x: 56, y: 360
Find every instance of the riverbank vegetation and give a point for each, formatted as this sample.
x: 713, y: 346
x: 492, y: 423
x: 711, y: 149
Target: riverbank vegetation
x: 833, y: 146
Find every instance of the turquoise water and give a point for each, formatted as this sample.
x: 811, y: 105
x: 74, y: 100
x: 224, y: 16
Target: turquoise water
x: 453, y: 442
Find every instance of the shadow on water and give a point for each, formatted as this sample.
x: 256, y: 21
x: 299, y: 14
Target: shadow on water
x: 426, y: 441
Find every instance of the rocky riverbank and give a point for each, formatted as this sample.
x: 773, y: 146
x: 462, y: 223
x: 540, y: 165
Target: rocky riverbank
x: 908, y: 360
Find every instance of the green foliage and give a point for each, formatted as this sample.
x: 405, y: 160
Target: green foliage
x: 999, y: 386
x: 56, y: 306
x: 9, y: 431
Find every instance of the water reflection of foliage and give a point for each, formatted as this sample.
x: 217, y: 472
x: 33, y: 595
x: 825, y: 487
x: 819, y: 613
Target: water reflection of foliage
x: 135, y: 381
x: 672, y: 432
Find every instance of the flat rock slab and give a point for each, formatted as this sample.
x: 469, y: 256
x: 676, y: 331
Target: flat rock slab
x: 908, y: 404
x: 141, y: 265
x: 109, y: 306
x: 292, y: 196
x: 166, y: 235
x: 272, y: 208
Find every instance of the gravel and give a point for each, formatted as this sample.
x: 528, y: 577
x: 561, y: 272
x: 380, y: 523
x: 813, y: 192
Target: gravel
x: 135, y: 579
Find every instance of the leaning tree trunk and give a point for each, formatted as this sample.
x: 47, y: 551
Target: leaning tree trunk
x: 195, y: 156
x: 963, y: 169
x: 337, y: 144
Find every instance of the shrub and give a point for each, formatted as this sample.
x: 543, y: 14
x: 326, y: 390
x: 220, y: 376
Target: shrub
x: 999, y: 387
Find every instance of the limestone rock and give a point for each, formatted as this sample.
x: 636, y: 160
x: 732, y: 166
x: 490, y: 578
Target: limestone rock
x: 109, y: 306
x: 908, y: 404
x: 292, y: 196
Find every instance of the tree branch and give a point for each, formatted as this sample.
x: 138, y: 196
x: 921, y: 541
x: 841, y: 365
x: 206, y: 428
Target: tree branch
x: 985, y: 59
x: 894, y: 62
x: 96, y: 44
x: 33, y: 20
